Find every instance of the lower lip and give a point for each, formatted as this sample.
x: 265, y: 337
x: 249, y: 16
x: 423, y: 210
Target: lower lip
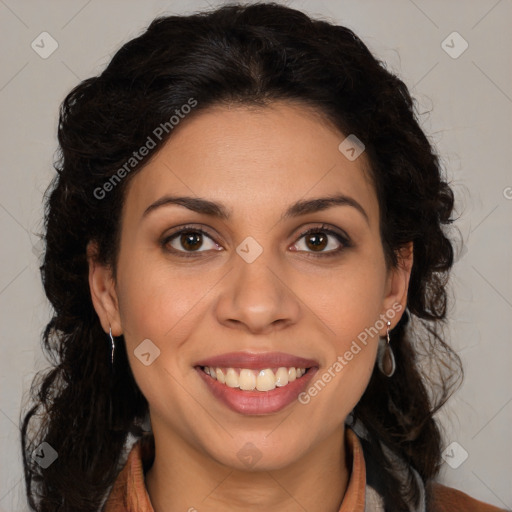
x: 258, y: 402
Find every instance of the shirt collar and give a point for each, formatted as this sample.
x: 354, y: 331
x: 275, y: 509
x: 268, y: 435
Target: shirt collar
x: 129, y: 493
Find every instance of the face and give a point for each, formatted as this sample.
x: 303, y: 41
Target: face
x: 256, y: 271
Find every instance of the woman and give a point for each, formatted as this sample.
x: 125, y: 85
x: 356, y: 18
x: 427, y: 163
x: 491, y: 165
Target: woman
x: 246, y: 255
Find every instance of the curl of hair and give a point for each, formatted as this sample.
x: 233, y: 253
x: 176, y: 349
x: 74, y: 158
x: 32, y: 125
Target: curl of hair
x: 250, y: 55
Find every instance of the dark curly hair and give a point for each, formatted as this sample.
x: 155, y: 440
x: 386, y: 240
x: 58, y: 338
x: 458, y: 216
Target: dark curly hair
x: 250, y: 55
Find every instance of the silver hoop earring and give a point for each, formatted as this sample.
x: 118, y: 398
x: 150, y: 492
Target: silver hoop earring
x: 113, y: 344
x: 385, y: 357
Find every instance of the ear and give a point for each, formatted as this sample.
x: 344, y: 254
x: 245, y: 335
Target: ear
x: 397, y: 285
x: 103, y: 292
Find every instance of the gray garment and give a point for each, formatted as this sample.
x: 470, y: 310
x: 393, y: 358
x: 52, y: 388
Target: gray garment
x: 373, y: 498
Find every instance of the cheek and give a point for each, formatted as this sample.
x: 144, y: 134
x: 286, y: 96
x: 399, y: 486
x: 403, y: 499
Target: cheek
x: 347, y: 300
x: 153, y: 302
x: 162, y: 307
x: 349, y: 305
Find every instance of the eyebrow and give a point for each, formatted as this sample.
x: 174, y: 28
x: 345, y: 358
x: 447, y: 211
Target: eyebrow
x: 303, y: 207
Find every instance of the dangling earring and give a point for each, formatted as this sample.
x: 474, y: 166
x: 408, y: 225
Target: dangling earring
x: 113, y: 344
x: 385, y: 357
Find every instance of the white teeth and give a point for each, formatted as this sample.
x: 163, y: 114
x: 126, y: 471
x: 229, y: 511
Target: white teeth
x: 232, y: 378
x: 265, y: 380
x: 220, y: 376
x: 281, y: 377
x: 249, y: 380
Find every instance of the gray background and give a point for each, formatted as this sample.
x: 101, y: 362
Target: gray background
x: 469, y: 100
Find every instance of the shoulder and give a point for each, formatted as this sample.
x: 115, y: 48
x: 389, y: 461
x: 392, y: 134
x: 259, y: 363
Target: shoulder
x: 447, y: 499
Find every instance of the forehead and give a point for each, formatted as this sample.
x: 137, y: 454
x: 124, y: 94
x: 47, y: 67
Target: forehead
x: 253, y: 160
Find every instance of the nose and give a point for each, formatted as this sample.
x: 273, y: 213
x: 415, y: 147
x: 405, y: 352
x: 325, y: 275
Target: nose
x: 257, y: 298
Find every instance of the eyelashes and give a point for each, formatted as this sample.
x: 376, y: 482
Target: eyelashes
x: 196, y: 237
x: 186, y: 230
x: 342, y: 239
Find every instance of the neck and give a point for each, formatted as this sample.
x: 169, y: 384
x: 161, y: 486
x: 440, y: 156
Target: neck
x: 182, y: 479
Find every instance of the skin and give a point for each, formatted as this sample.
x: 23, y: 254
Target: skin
x: 256, y: 162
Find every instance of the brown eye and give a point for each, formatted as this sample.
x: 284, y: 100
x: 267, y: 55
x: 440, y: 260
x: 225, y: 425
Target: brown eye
x: 322, y: 241
x: 317, y: 241
x: 189, y: 240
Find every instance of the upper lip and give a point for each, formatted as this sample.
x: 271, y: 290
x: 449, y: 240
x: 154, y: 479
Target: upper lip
x: 255, y: 361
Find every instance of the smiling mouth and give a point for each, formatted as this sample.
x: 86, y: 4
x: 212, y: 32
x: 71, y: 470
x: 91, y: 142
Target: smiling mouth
x: 262, y: 380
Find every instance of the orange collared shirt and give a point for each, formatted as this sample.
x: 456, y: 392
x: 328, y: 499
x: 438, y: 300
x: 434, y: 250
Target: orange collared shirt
x: 129, y: 493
